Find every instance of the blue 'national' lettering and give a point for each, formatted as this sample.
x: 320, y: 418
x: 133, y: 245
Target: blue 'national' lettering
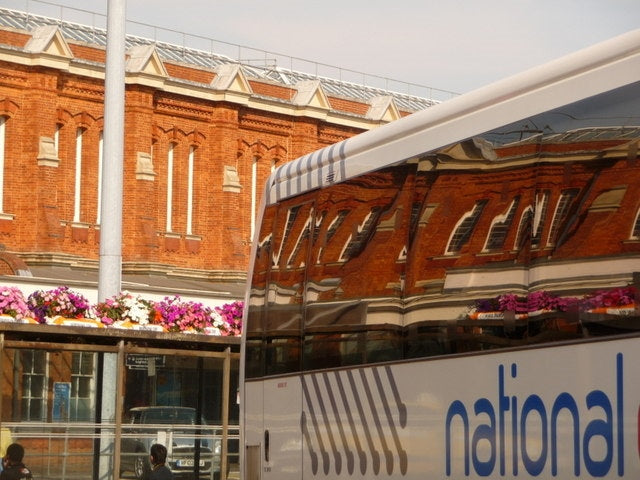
x: 608, y: 430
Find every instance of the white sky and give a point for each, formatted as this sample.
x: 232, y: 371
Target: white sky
x: 455, y: 45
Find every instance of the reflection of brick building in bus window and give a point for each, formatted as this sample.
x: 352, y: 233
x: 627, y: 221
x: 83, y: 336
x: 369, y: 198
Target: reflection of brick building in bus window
x: 509, y: 212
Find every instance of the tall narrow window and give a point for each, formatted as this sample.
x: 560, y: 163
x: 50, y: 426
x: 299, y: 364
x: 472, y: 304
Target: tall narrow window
x: 78, y: 177
x: 190, y: 167
x: 56, y: 139
x: 3, y: 121
x: 304, y: 235
x: 292, y: 214
x: 254, y: 194
x: 331, y: 230
x: 562, y: 211
x: 358, y: 241
x: 524, y: 228
x: 82, y: 386
x: 635, y: 232
x: 33, y: 372
x: 500, y: 227
x: 539, y: 216
x: 169, y: 187
x: 464, y: 228
x: 100, y: 161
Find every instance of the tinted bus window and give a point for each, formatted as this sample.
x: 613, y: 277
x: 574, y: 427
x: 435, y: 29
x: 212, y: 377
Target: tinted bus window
x: 414, y: 259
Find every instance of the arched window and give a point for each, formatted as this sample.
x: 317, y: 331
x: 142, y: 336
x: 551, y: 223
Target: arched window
x: 78, y: 176
x: 302, y: 238
x: 56, y: 139
x: 500, y: 227
x: 562, y: 211
x: 357, y: 241
x: 331, y: 229
x: 3, y: 122
x: 169, y: 211
x: 464, y: 228
x: 190, y: 189
x: 100, y: 163
x: 254, y: 195
x: 539, y: 216
x: 292, y: 214
x: 635, y: 231
x: 531, y: 222
x: 524, y: 228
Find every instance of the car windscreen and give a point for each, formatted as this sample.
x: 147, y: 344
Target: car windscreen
x: 170, y: 417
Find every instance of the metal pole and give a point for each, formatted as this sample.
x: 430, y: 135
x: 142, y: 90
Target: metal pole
x: 110, y: 266
x: 119, y: 405
x: 226, y: 377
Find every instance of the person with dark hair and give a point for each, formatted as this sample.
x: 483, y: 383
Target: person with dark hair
x: 158, y: 457
x: 14, y: 469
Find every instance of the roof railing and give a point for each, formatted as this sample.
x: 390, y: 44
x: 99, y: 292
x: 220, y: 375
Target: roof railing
x: 243, y: 54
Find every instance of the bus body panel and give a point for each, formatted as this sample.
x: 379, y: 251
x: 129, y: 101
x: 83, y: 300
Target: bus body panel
x: 507, y: 218
x: 572, y: 410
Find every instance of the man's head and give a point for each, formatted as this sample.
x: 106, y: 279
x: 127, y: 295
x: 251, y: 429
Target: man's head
x: 158, y: 454
x: 15, y: 453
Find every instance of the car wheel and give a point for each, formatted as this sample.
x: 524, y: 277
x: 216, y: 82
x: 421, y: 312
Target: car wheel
x: 141, y: 467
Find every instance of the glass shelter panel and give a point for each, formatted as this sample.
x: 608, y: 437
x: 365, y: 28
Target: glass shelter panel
x: 176, y: 401
x: 49, y: 404
x: 60, y: 403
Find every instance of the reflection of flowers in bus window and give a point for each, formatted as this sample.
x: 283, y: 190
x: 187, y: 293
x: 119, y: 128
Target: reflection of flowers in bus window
x: 59, y: 302
x: 545, y: 301
x: 616, y: 297
x: 13, y: 303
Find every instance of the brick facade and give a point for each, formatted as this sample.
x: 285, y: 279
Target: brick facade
x: 51, y: 97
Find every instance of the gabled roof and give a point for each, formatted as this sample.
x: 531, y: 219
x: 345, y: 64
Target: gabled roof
x: 48, y: 39
x: 310, y: 93
x: 229, y: 76
x: 145, y: 59
x: 383, y: 108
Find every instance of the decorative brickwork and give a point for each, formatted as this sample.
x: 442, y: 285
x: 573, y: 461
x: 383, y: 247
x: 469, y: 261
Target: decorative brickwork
x: 179, y: 125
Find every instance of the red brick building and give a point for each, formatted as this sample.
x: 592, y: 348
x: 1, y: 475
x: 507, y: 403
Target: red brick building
x: 200, y: 141
x: 202, y: 134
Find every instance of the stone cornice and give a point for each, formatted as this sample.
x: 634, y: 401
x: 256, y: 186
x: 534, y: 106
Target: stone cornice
x: 91, y: 69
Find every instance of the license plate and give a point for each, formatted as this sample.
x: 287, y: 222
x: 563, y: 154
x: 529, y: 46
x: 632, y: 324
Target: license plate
x: 188, y: 462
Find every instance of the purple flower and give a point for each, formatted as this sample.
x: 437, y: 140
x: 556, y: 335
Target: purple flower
x: 60, y: 301
x: 616, y: 297
x: 231, y: 314
x: 178, y: 315
x: 12, y: 302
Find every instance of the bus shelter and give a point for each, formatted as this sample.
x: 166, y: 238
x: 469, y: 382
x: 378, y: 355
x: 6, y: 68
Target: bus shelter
x: 87, y: 403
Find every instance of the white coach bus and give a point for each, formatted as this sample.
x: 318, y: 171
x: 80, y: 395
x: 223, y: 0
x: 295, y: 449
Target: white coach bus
x: 456, y: 294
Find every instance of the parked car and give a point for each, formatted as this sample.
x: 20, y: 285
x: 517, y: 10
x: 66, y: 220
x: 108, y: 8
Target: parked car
x: 177, y: 429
